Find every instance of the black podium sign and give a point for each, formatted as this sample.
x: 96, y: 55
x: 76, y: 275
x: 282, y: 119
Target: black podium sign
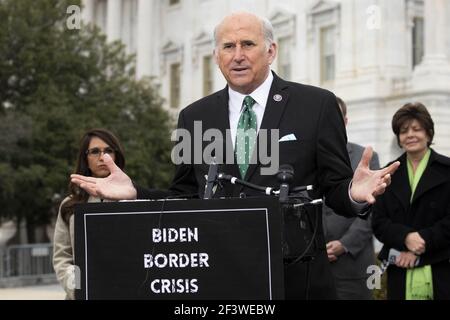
x: 180, y: 249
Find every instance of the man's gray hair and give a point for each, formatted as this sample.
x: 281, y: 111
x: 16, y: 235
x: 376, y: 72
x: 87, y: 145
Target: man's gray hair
x: 267, y: 30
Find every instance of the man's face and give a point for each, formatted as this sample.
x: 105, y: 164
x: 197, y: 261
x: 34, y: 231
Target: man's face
x: 242, y: 53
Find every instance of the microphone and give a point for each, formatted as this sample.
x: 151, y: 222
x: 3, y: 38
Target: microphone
x: 314, y: 202
x: 211, y: 179
x: 233, y: 180
x: 285, y: 176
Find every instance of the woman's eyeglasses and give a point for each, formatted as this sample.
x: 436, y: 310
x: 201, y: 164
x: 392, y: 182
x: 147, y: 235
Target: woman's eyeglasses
x: 96, y: 152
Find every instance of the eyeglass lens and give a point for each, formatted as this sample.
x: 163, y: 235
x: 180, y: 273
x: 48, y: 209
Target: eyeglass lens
x: 98, y: 151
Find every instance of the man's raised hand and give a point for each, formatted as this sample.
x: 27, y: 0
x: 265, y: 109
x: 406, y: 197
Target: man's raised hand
x: 117, y: 186
x: 368, y: 184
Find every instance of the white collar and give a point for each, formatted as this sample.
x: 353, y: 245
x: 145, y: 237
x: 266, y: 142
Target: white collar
x: 260, y: 94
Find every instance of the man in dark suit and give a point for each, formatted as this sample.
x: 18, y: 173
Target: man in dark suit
x: 254, y: 99
x: 349, y: 241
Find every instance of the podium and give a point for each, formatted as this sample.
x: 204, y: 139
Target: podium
x: 180, y: 249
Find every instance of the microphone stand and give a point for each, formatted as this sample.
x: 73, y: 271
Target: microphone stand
x: 288, y: 200
x: 267, y: 190
x: 292, y: 204
x: 211, y: 179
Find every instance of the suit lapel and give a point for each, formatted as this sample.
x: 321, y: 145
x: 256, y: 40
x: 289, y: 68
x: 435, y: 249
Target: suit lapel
x: 221, y: 115
x: 275, y: 107
x: 431, y: 178
x: 272, y: 116
x: 401, y: 190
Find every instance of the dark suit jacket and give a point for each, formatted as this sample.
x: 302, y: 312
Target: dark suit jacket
x: 318, y: 156
x: 394, y: 216
x: 354, y: 233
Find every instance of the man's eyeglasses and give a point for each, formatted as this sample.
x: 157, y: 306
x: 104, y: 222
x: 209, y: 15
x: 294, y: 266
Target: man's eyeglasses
x: 96, y: 152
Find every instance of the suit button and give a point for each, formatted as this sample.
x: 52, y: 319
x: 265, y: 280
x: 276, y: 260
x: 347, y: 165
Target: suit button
x: 242, y: 195
x: 433, y: 205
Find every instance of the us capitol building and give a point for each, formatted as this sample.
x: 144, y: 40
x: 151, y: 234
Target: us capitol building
x: 376, y: 55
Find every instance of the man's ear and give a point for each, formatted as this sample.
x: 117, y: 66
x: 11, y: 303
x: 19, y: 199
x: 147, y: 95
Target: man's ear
x: 272, y: 52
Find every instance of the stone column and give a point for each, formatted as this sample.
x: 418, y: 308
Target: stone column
x: 435, y: 33
x: 187, y: 94
x: 113, y: 19
x: 145, y: 38
x: 345, y: 67
x: 367, y: 39
x: 434, y: 71
x: 87, y: 12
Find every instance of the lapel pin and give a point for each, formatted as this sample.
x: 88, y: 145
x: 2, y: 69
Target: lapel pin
x: 277, y: 97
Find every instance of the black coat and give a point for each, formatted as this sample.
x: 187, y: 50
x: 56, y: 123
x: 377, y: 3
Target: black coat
x: 318, y: 156
x: 394, y: 216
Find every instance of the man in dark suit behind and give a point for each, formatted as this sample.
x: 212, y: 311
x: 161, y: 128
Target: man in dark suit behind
x: 308, y: 115
x: 349, y: 241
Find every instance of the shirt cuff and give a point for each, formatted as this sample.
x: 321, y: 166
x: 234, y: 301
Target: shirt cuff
x: 359, y: 207
x: 345, y: 248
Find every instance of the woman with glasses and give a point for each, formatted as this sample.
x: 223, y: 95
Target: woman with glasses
x: 413, y: 215
x: 94, y: 145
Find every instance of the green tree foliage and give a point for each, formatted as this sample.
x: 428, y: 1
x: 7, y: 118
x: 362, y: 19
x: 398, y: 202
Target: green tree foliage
x: 56, y: 83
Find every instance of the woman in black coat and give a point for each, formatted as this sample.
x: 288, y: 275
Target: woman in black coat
x: 413, y: 215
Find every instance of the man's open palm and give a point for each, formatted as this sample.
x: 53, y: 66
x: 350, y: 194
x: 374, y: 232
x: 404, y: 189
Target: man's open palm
x: 117, y: 186
x: 367, y: 184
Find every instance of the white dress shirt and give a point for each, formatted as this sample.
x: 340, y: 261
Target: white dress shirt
x: 236, y: 99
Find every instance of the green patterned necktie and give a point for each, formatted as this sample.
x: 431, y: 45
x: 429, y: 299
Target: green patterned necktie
x: 246, y: 135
